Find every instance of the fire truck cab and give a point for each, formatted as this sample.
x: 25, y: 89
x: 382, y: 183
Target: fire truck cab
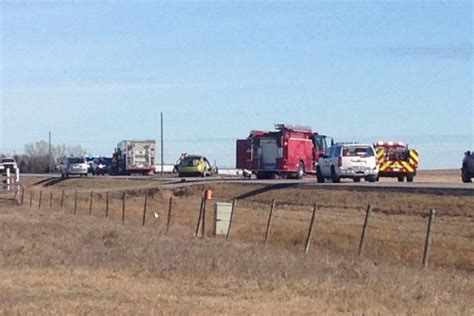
x: 290, y: 151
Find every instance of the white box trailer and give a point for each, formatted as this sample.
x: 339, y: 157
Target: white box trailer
x: 134, y: 156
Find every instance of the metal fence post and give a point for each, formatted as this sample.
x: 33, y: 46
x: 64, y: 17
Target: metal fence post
x: 269, y: 223
x: 75, y: 203
x: 144, y: 208
x: 168, y: 219
x: 123, y: 208
x: 426, y: 253
x: 107, y: 204
x: 364, y: 229
x: 309, y: 238
x: 90, y: 203
x: 234, y: 205
x: 40, y: 199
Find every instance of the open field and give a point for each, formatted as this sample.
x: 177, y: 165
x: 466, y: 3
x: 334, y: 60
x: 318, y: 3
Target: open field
x: 53, y: 260
x: 55, y: 263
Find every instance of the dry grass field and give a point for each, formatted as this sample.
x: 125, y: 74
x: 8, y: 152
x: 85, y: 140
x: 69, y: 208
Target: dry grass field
x: 55, y: 262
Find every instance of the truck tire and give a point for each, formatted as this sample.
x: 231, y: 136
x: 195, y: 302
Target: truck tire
x: 372, y: 178
x: 410, y: 177
x: 334, y: 177
x: 356, y: 179
x: 465, y: 176
x: 401, y: 178
x: 319, y: 175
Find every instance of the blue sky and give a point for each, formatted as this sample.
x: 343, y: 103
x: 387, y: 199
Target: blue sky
x: 96, y: 72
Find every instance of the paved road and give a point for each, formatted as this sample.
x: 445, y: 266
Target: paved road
x: 414, y: 187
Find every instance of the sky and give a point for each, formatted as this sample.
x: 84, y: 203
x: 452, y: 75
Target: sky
x: 97, y: 72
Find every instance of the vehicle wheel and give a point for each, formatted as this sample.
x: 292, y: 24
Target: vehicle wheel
x: 334, y: 177
x: 62, y: 175
x: 356, y: 179
x: 372, y: 178
x: 319, y: 175
x: 410, y: 177
x: 466, y: 178
x: 300, y: 171
x: 401, y: 178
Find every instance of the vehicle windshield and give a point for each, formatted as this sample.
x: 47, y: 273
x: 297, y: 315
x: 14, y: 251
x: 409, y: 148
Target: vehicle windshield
x: 190, y: 161
x: 320, y: 142
x: 357, y: 151
x: 8, y: 160
x: 77, y: 160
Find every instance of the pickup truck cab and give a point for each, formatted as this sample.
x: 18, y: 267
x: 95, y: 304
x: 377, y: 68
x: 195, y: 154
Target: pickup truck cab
x: 348, y: 160
x: 74, y: 166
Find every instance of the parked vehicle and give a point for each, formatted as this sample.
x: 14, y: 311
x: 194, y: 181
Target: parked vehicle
x: 396, y: 160
x: 9, y: 162
x: 89, y: 161
x: 348, y: 160
x: 101, y: 166
x: 133, y: 156
x: 290, y: 151
x: 74, y: 166
x: 467, y: 170
x: 194, y: 165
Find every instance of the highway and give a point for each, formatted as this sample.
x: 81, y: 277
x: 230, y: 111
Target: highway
x: 386, y: 185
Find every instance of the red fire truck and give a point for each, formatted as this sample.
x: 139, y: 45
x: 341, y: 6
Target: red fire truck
x: 290, y: 151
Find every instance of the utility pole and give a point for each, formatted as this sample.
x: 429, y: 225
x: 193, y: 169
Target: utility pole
x: 162, y: 162
x: 49, y: 153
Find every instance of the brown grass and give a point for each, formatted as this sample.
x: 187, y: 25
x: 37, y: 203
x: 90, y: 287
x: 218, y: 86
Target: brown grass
x: 53, y: 261
x: 56, y: 263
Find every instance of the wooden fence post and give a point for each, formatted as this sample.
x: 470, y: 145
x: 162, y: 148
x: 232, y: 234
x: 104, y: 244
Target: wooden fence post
x: 123, y: 208
x: 269, y: 223
x: 40, y: 199
x: 144, y: 207
x: 90, y: 203
x: 234, y: 205
x: 51, y: 200
x: 309, y: 238
x: 200, y: 217
x: 62, y: 199
x: 75, y: 203
x: 107, y: 204
x: 364, y: 229
x: 426, y: 253
x: 168, y: 219
x: 22, y: 195
x: 31, y: 199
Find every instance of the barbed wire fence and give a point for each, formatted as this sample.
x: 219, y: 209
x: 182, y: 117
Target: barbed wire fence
x: 366, y: 233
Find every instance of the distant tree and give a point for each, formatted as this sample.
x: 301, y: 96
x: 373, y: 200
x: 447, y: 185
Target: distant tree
x: 36, y: 158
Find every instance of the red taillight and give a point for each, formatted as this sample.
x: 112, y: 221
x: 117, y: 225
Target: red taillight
x: 339, y: 162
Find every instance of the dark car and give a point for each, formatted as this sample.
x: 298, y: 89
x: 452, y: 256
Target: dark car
x: 101, y: 166
x: 467, y: 170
